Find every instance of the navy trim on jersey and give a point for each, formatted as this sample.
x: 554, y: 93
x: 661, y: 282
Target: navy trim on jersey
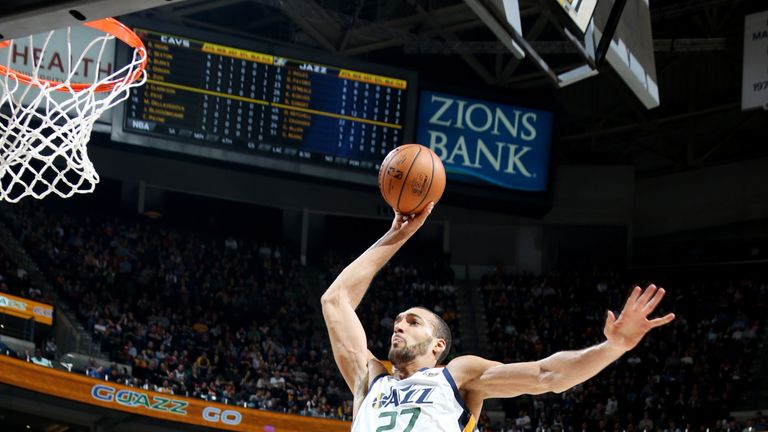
x: 466, y: 415
x: 381, y: 375
x: 455, y: 389
x: 464, y: 420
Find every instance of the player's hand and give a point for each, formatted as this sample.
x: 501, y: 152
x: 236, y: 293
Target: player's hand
x: 626, y: 332
x: 408, y: 224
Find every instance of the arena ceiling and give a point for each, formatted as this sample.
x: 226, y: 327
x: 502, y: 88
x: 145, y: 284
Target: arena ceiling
x: 698, y: 46
x: 698, y: 51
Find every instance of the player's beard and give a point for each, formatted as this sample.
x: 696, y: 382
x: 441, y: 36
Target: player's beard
x: 407, y: 354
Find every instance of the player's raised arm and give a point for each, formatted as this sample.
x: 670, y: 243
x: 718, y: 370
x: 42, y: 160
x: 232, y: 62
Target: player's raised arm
x: 484, y: 379
x: 348, y: 340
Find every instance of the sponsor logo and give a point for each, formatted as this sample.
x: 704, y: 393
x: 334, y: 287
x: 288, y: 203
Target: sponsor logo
x: 141, y: 125
x: 42, y: 311
x: 482, y: 117
x: 12, y: 304
x: 418, y: 183
x: 394, y: 172
x: 27, y: 308
x: 488, y: 142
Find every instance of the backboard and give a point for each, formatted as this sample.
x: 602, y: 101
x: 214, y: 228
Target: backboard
x: 627, y: 45
x: 631, y: 53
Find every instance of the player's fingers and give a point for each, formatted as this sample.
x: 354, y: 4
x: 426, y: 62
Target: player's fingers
x: 632, y: 297
x: 653, y: 302
x: 647, y: 294
x: 421, y: 217
x: 427, y: 210
x: 666, y: 319
x: 397, y: 222
x: 610, y: 318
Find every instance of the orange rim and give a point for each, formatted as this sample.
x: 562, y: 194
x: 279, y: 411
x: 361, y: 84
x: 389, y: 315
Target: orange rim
x: 107, y: 25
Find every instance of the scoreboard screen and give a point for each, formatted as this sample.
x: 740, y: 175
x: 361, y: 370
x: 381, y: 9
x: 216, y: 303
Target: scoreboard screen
x: 274, y: 108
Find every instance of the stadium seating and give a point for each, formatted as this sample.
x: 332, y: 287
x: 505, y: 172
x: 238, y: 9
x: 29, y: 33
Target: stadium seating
x: 219, y: 318
x: 229, y: 318
x: 688, y: 375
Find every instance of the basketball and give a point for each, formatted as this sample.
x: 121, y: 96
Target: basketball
x: 410, y: 177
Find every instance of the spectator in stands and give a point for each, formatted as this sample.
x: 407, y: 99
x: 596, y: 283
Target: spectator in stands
x: 50, y: 348
x: 523, y: 421
x: 645, y: 424
x: 38, y: 359
x: 665, y: 382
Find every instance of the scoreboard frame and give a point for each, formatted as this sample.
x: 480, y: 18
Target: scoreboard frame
x: 262, y: 160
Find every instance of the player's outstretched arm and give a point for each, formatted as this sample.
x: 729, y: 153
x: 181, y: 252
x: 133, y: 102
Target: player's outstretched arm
x: 485, y: 379
x: 348, y: 340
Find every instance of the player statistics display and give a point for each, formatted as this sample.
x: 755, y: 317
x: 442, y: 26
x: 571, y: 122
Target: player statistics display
x: 205, y: 94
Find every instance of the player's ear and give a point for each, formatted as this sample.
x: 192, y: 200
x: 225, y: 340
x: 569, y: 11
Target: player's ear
x: 439, y: 347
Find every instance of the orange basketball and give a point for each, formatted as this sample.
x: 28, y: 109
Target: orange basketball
x: 410, y: 177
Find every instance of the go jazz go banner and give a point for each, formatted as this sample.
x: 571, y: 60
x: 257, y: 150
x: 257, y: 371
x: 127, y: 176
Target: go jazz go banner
x: 157, y: 405
x: 483, y: 141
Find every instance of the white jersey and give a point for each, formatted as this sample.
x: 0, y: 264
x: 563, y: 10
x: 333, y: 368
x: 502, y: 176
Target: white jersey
x: 427, y: 401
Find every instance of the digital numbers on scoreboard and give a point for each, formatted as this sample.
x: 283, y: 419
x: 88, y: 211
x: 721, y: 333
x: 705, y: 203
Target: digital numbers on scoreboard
x: 215, y: 95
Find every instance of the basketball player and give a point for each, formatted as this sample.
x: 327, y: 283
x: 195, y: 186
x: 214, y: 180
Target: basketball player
x: 421, y: 397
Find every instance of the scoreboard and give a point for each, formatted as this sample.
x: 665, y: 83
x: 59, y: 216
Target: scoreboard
x: 238, y: 101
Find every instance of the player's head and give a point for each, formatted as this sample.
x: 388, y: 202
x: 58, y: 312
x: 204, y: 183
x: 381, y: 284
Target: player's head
x: 419, y: 332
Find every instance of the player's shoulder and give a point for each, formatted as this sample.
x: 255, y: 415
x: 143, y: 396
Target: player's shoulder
x: 376, y: 370
x: 468, y: 367
x: 469, y: 362
x: 373, y: 371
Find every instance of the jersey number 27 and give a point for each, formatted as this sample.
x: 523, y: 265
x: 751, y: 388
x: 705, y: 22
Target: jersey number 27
x: 413, y: 412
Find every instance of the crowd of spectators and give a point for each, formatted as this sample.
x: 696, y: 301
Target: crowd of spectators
x: 229, y: 319
x: 223, y: 318
x: 14, y: 279
x: 685, y: 376
x: 217, y: 317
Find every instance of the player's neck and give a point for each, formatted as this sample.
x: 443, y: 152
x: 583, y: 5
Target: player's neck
x: 405, y: 370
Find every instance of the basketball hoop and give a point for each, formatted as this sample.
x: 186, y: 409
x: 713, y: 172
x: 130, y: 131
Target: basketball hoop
x: 45, y: 124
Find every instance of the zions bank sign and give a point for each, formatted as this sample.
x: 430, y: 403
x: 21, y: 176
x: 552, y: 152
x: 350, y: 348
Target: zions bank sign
x: 481, y: 141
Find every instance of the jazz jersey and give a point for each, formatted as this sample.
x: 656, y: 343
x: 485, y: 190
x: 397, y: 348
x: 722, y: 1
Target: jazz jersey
x: 427, y: 401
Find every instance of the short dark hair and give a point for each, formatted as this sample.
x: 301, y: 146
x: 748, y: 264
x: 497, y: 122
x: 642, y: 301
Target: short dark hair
x: 441, y: 330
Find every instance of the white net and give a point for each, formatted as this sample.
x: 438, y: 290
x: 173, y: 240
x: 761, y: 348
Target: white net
x: 46, y: 121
